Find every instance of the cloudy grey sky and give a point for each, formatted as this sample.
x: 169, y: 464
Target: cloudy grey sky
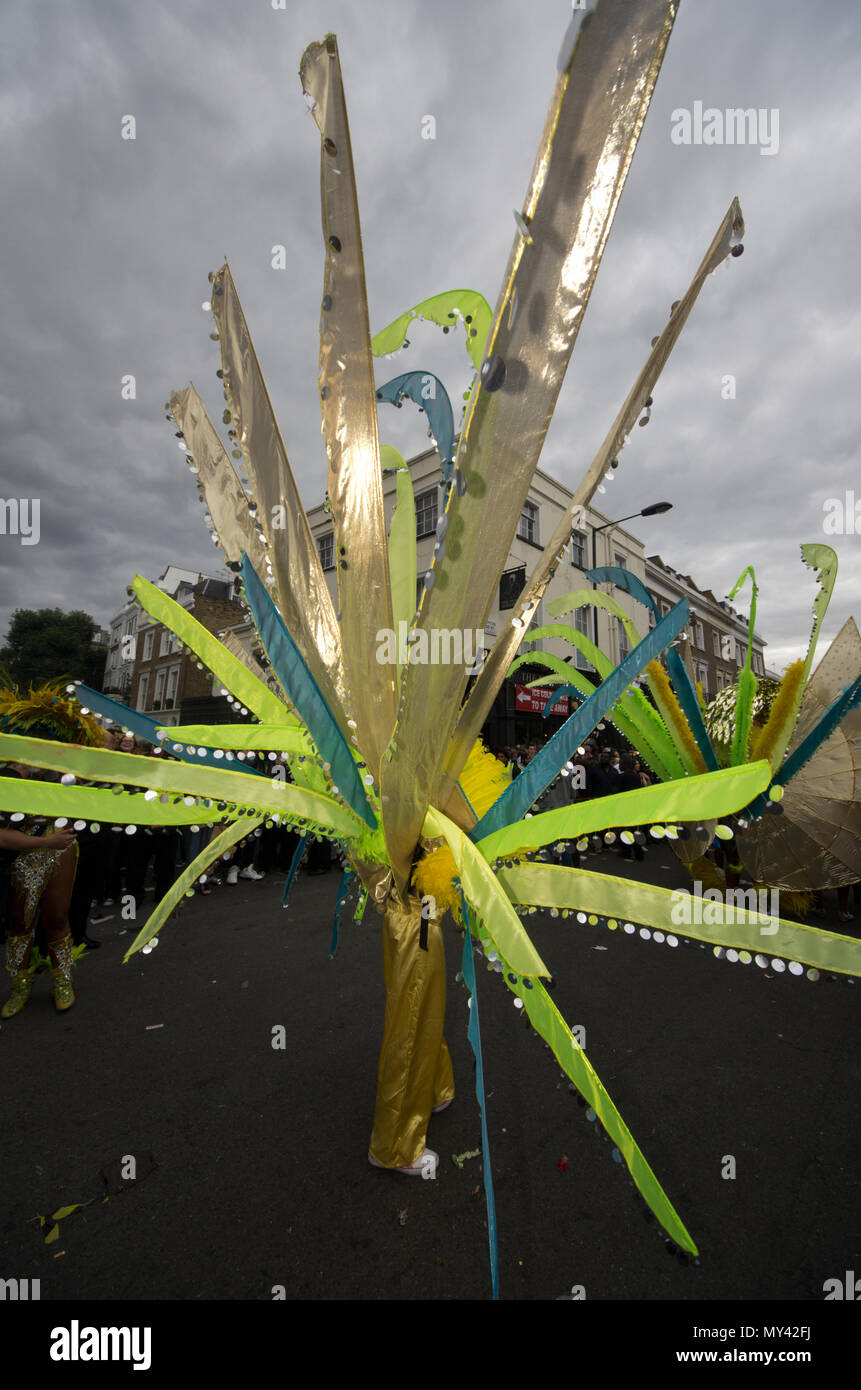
x: 106, y: 245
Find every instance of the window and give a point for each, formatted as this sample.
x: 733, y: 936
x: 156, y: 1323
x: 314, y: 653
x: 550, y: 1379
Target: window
x: 699, y: 639
x: 665, y: 607
x: 757, y: 664
x: 579, y: 542
x: 620, y: 561
x: 581, y: 622
x: 426, y: 513
x: 727, y: 646
x: 740, y: 653
x: 143, y: 690
x: 326, y: 550
x: 701, y: 672
x: 716, y: 642
x: 527, y: 528
x: 149, y: 639
x: 172, y: 685
x: 653, y: 622
x: 161, y: 677
x: 164, y: 644
x: 510, y: 586
x: 622, y: 638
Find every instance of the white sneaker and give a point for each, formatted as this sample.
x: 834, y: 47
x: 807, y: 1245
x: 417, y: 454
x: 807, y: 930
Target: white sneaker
x: 232, y: 875
x: 251, y: 872
x: 443, y: 1106
x: 425, y: 1166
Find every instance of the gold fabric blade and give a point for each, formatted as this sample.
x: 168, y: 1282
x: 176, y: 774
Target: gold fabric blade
x: 504, y: 649
x: 225, y: 496
x: 349, y: 412
x: 816, y: 842
x: 302, y: 594
x: 595, y: 118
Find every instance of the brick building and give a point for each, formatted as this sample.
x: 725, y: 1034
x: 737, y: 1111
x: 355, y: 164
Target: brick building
x: 165, y: 676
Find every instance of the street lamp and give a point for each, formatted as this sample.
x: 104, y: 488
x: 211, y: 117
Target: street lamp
x: 654, y: 509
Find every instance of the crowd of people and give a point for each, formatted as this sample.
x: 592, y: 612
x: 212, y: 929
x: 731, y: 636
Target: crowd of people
x: 57, y: 883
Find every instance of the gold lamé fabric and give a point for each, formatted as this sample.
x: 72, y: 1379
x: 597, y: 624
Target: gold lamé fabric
x: 483, y: 693
x: 415, y: 1072
x: 349, y: 415
x: 816, y: 842
x: 592, y: 127
x: 219, y: 482
x: 302, y: 594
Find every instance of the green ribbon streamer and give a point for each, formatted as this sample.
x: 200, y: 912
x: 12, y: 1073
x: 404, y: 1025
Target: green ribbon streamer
x: 86, y: 803
x: 484, y: 895
x: 551, y: 1026
x: 444, y: 309
x: 689, y: 799
x: 227, y: 668
x: 187, y: 879
x: 622, y: 900
x: 666, y: 765
x: 260, y: 794
x: 287, y: 738
x: 746, y: 684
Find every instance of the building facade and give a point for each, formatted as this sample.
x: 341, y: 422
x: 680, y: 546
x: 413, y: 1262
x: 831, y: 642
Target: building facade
x: 166, y: 677
x: 715, y: 646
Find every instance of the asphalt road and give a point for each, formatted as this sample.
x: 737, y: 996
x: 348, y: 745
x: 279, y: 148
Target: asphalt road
x: 251, y: 1163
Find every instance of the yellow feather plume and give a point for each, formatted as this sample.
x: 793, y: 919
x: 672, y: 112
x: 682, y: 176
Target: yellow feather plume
x: 673, y: 716
x: 764, y: 741
x: 483, y: 780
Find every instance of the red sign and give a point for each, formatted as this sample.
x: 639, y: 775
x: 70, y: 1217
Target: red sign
x: 532, y: 701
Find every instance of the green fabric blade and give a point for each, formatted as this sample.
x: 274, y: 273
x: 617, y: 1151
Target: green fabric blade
x: 36, y: 798
x: 187, y: 879
x: 551, y: 1026
x: 230, y: 671
x: 444, y: 309
x: 582, y: 598
x: 622, y: 900
x: 712, y: 794
x: 288, y: 738
x: 650, y: 727
x: 666, y: 765
x: 747, y: 680
x: 485, y: 897
x: 260, y: 794
x: 823, y: 560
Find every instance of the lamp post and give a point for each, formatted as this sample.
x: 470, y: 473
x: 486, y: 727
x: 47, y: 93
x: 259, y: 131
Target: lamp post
x: 654, y: 509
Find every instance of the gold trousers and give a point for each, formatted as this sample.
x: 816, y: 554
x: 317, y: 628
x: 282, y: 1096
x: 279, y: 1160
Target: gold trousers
x: 415, y: 1071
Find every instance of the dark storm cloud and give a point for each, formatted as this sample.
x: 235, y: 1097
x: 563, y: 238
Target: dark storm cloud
x: 107, y: 244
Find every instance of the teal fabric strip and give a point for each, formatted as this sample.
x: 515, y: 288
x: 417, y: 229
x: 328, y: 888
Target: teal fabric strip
x: 430, y: 396
x: 516, y: 800
x: 342, y: 893
x: 294, y: 865
x: 143, y: 727
x: 474, y: 1035
x: 678, y: 672
x: 301, y: 687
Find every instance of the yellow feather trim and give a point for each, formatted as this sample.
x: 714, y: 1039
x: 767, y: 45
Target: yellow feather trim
x: 673, y: 716
x: 483, y: 780
x: 783, y: 709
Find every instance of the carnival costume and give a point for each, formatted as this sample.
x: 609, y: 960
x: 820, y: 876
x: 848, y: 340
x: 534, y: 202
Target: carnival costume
x: 386, y: 758
x: 44, y: 713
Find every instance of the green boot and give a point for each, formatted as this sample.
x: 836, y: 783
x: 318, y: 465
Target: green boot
x: 17, y: 948
x: 61, y: 974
